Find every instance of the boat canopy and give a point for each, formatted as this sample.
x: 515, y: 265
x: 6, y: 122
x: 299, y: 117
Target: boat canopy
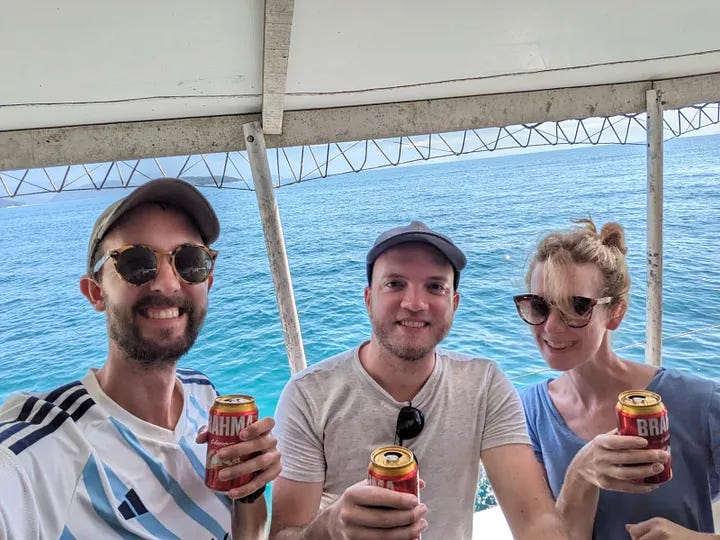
x: 90, y: 82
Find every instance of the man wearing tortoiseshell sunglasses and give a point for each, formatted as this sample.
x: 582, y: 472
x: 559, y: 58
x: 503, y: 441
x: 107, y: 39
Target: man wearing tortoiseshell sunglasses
x: 451, y: 410
x: 118, y: 453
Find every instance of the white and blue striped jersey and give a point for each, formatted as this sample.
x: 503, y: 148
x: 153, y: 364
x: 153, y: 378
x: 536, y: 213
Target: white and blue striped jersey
x: 76, y: 465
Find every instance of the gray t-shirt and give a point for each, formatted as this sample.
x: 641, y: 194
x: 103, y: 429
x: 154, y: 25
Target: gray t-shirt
x: 332, y: 415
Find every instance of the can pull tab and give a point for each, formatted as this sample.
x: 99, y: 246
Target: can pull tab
x: 391, y: 458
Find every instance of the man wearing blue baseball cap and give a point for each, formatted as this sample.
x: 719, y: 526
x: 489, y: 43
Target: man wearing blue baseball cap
x: 398, y: 388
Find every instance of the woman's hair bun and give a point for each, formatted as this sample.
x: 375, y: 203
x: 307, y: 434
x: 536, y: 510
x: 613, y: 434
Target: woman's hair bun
x: 613, y: 235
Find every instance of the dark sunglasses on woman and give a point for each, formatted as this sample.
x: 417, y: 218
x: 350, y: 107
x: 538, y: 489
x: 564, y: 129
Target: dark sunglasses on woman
x: 138, y: 264
x: 535, y: 310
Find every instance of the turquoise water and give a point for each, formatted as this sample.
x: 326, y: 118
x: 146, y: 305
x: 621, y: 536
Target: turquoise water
x: 495, y: 209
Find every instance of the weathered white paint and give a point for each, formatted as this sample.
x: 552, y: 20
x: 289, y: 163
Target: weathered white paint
x: 653, y: 316
x: 278, y: 27
x: 86, y: 62
x: 134, y: 140
x: 275, y: 245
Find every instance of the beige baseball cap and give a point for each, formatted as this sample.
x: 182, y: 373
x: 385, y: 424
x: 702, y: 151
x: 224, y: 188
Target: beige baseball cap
x: 170, y: 191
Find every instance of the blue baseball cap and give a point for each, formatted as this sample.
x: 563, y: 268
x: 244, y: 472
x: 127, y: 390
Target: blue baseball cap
x: 417, y: 232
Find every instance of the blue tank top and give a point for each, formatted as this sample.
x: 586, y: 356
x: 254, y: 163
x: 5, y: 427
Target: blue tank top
x: 693, y: 405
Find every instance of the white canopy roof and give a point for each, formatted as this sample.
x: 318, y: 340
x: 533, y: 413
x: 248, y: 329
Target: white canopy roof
x: 168, y: 78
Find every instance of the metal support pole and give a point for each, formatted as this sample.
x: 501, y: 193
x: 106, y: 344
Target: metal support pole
x: 275, y: 244
x: 653, y: 317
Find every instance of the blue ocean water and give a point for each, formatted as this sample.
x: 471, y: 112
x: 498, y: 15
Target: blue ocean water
x: 495, y: 209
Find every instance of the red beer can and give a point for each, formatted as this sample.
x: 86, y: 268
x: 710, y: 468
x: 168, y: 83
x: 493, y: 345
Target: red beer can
x: 643, y: 414
x: 394, y: 467
x: 229, y: 415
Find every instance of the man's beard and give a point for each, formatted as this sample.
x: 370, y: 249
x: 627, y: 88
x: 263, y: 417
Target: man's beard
x: 405, y: 350
x: 154, y: 354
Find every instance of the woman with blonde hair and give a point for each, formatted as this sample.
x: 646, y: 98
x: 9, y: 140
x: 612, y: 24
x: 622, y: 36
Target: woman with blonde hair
x: 579, y: 284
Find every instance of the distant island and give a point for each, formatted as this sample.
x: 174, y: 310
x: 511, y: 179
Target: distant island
x: 208, y: 181
x: 6, y: 203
